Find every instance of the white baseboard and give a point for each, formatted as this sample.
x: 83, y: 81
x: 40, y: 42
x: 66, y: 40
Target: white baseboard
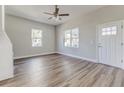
x: 7, y: 76
x: 83, y: 58
x: 47, y: 53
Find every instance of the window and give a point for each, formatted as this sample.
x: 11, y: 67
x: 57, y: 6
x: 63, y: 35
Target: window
x: 68, y: 38
x: 72, y: 38
x: 109, y: 31
x: 36, y: 38
x: 75, y: 38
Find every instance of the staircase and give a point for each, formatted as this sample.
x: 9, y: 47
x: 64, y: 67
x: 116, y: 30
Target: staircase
x: 6, y: 53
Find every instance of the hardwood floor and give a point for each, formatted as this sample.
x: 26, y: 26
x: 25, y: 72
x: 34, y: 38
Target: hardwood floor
x: 63, y: 71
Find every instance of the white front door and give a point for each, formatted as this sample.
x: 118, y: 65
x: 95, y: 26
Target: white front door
x: 110, y: 44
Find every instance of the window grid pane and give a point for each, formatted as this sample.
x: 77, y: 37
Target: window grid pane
x: 36, y: 38
x: 72, y: 38
x: 109, y: 31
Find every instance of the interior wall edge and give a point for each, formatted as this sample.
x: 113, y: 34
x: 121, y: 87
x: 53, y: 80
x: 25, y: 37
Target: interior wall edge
x: 27, y: 56
x: 17, y: 27
x: 75, y: 56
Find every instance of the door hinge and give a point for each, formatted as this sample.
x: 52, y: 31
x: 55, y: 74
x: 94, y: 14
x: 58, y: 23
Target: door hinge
x: 122, y: 43
x: 121, y: 60
x: 122, y: 26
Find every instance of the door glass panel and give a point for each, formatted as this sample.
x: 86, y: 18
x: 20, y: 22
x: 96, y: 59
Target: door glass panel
x: 109, y: 31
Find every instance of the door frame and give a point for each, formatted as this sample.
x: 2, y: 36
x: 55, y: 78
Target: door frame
x: 97, y: 40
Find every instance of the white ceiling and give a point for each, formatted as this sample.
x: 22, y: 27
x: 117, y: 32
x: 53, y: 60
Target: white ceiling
x: 35, y: 12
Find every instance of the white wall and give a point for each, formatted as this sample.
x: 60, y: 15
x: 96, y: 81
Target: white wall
x: 87, y: 26
x: 6, y: 53
x: 19, y: 31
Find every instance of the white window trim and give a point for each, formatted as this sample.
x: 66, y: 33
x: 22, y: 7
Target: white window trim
x: 71, y: 38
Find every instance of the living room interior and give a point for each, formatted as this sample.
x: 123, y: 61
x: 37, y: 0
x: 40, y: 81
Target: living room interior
x: 61, y: 46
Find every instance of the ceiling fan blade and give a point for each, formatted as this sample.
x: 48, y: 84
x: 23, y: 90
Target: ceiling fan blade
x: 63, y: 14
x: 48, y: 13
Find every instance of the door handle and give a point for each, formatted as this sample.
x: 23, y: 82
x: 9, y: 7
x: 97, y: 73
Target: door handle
x: 99, y: 46
x: 122, y: 43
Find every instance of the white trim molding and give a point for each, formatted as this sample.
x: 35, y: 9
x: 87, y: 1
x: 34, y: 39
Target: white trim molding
x: 83, y: 58
x: 7, y: 76
x: 47, y: 53
x: 6, y: 53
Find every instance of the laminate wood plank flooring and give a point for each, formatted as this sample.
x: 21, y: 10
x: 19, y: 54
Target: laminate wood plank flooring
x: 57, y: 70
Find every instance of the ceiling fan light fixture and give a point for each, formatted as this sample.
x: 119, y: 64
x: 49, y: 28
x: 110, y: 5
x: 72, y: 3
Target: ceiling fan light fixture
x: 57, y: 18
x: 56, y: 15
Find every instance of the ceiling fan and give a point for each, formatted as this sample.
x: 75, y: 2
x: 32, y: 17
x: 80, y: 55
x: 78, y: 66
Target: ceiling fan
x: 56, y: 15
